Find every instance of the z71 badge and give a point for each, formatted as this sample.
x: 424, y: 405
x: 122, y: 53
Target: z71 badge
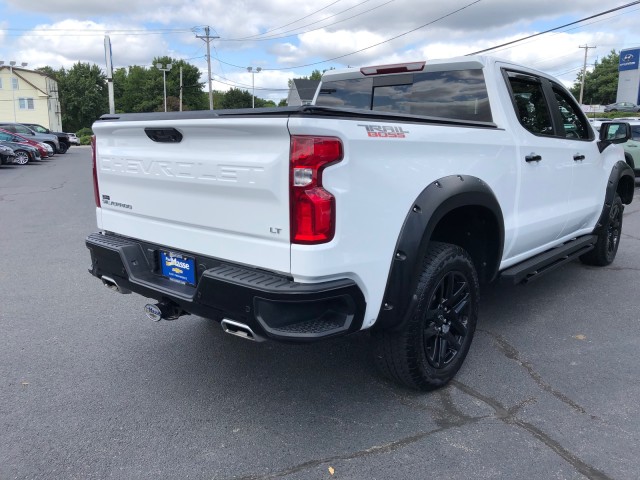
x: 384, y: 131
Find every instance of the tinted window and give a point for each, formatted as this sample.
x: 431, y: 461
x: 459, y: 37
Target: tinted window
x: 459, y: 94
x: 354, y: 93
x: 531, y: 106
x: 574, y: 121
x: 635, y: 132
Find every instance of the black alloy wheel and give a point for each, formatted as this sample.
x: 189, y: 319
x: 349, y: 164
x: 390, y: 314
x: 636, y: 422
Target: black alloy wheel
x: 606, y: 247
x: 614, y: 228
x: 446, y: 320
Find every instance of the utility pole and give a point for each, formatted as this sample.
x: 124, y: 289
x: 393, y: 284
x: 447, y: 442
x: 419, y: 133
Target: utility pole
x: 584, y: 70
x: 207, y: 38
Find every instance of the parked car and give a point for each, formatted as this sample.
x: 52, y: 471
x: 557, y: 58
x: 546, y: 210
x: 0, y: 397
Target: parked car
x: 25, y: 131
x: 622, y: 107
x: 73, y: 139
x: 24, y: 153
x: 43, y: 148
x: 7, y: 155
x: 631, y: 146
x: 63, y: 138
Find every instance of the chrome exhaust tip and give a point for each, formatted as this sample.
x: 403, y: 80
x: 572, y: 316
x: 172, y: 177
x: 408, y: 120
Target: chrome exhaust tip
x: 239, y: 330
x: 111, y: 284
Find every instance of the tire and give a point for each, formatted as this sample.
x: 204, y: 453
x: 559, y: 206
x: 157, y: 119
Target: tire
x: 22, y: 157
x: 63, y: 147
x: 430, y: 348
x: 608, y: 239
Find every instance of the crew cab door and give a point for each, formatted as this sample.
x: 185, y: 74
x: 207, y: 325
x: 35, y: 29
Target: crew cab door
x: 544, y: 164
x: 588, y: 182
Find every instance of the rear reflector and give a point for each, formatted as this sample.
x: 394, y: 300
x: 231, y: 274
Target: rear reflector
x: 312, y: 208
x: 395, y: 68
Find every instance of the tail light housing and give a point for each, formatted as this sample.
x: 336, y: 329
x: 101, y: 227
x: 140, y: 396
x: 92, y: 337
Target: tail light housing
x: 312, y: 208
x: 96, y: 190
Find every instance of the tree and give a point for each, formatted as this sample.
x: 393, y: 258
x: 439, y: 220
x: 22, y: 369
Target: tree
x: 600, y: 84
x: 83, y: 95
x: 140, y: 89
x: 236, y: 98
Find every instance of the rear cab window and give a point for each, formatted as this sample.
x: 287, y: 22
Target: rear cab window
x: 459, y: 94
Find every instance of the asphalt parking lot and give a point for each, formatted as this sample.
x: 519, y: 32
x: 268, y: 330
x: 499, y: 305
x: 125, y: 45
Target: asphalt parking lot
x: 89, y: 388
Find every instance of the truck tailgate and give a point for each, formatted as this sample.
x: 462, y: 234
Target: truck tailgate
x: 222, y: 191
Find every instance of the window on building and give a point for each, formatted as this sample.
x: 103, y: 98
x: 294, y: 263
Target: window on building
x: 14, y: 82
x: 0, y: 84
x: 26, y: 104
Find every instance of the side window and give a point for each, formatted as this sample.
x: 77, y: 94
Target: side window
x: 574, y: 121
x: 635, y: 133
x: 531, y: 106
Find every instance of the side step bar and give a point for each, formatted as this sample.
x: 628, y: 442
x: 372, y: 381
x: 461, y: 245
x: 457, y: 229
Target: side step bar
x: 548, y: 261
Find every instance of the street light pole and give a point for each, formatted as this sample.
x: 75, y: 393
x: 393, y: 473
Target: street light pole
x: 164, y: 80
x: 13, y: 92
x: 253, y: 84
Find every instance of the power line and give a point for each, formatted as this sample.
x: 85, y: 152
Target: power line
x: 291, y: 23
x: 370, y: 46
x: 555, y: 28
x: 281, y: 34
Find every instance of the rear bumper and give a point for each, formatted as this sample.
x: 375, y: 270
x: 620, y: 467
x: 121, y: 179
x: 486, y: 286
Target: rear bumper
x: 273, y: 306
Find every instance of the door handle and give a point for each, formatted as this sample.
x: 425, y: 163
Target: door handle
x: 533, y: 158
x: 577, y: 157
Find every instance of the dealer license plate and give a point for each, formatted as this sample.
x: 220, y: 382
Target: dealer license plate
x: 178, y: 268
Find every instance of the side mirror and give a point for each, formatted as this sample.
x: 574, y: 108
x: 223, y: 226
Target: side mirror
x: 613, y: 132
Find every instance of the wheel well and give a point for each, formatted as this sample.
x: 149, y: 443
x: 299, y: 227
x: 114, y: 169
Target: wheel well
x: 629, y: 159
x: 475, y: 229
x: 625, y: 188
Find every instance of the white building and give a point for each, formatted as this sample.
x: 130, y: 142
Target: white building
x: 28, y: 96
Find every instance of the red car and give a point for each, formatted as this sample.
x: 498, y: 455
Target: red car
x: 14, y: 137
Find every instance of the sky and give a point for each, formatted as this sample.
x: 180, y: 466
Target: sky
x: 289, y: 39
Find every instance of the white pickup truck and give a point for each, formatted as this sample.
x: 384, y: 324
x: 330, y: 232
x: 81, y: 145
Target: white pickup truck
x: 384, y: 206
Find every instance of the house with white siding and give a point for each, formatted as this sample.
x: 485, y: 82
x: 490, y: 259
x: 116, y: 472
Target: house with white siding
x: 29, y: 96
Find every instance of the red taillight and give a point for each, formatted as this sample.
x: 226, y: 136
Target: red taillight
x: 313, y: 212
x: 96, y: 191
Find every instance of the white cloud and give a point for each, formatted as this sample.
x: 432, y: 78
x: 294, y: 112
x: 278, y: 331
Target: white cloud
x: 83, y: 41
x: 81, y: 26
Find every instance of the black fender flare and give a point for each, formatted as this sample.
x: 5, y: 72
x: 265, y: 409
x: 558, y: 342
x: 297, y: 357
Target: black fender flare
x: 622, y: 181
x: 434, y: 202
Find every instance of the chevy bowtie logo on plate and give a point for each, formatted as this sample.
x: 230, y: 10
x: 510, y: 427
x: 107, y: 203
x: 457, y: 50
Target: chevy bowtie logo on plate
x: 178, y: 268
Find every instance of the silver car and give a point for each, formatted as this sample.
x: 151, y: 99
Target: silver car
x: 25, y: 131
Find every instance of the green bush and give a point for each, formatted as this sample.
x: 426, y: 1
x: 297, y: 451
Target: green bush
x: 84, y: 132
x: 85, y: 140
